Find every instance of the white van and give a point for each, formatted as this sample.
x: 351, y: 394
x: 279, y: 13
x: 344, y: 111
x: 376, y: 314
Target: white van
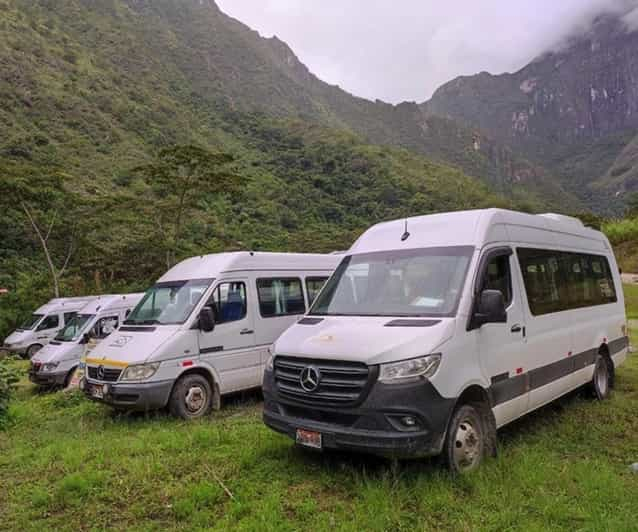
x: 55, y: 363
x: 204, y: 330
x: 40, y: 328
x: 436, y: 330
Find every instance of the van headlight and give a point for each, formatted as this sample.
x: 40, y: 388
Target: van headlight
x: 421, y: 367
x: 140, y: 372
x: 270, y: 363
x: 50, y: 366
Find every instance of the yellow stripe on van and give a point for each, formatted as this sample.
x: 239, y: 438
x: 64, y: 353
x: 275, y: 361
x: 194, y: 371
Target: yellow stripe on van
x: 107, y: 362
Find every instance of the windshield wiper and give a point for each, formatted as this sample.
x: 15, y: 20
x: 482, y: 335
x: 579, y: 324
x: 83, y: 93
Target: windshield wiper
x: 141, y: 322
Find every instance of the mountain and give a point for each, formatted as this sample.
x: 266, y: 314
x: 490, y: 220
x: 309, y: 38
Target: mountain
x: 572, y: 111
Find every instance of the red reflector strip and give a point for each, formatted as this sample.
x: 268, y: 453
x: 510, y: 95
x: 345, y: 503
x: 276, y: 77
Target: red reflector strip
x: 569, y: 354
x: 187, y: 363
x: 519, y: 371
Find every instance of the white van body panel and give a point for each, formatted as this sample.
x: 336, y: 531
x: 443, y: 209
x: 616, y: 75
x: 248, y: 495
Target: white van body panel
x: 519, y: 365
x: 235, y: 352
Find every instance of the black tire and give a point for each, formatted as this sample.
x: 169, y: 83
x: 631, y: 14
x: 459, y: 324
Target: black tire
x: 69, y: 376
x: 32, y: 350
x: 601, y: 381
x: 467, y: 440
x: 191, y: 398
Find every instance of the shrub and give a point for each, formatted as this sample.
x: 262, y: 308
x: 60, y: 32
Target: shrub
x: 8, y: 379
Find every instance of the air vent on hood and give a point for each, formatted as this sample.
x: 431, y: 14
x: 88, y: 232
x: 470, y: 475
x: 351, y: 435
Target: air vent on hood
x: 412, y: 323
x: 310, y: 321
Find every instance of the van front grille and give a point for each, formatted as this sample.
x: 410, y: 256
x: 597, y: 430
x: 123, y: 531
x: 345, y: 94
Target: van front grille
x: 340, y: 383
x: 106, y: 375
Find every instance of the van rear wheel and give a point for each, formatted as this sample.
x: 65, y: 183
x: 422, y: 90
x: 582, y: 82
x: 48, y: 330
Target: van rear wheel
x: 465, y: 443
x: 192, y: 397
x: 601, y: 381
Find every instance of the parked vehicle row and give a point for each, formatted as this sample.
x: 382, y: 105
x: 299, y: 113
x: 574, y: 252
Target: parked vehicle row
x: 432, y: 333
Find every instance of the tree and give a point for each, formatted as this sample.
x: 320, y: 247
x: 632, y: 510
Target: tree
x: 179, y: 176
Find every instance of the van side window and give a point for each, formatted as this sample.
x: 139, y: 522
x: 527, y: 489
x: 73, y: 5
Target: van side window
x: 313, y: 286
x: 498, y: 277
x: 280, y: 297
x: 559, y: 280
x: 50, y: 322
x: 68, y: 316
x: 105, y: 326
x: 229, y: 301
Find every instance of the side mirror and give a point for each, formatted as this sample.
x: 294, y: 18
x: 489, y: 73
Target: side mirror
x: 490, y: 309
x: 86, y: 337
x: 207, y: 319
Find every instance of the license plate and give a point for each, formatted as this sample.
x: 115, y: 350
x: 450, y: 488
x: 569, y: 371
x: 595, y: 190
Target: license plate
x: 309, y: 438
x: 97, y: 391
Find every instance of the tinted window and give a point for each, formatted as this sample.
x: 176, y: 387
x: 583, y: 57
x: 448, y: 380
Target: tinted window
x: 497, y: 277
x: 280, y: 297
x: 50, y: 322
x: 68, y: 316
x: 313, y: 286
x: 556, y: 280
x: 30, y: 322
x: 229, y: 301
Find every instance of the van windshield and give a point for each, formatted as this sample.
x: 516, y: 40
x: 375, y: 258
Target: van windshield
x: 74, y: 328
x: 169, y: 302
x: 31, y: 322
x: 412, y: 283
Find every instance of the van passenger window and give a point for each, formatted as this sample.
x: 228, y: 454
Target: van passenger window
x: 313, y: 286
x: 68, y: 316
x: 280, y: 297
x: 50, y: 322
x: 229, y: 301
x: 498, y: 277
x: 105, y: 326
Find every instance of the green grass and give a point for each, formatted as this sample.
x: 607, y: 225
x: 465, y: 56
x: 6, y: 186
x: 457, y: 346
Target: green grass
x: 69, y: 464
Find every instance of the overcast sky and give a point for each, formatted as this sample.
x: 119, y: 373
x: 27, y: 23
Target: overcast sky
x: 404, y: 49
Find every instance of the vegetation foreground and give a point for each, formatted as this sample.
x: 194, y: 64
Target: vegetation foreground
x: 66, y: 463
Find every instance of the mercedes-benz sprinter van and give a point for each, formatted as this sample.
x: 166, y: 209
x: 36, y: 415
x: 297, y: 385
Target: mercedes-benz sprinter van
x: 55, y: 363
x: 437, y: 330
x: 40, y: 328
x: 204, y: 330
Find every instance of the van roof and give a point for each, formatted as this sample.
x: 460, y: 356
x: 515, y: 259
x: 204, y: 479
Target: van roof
x: 63, y: 304
x: 477, y: 228
x: 209, y: 266
x: 111, y: 301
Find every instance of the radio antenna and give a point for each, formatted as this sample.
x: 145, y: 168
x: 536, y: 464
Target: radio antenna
x: 406, y: 233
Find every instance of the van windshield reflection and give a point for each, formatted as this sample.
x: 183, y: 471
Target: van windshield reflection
x: 399, y: 283
x: 74, y: 328
x: 31, y: 322
x: 168, y: 302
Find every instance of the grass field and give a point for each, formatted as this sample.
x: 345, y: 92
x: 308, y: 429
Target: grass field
x: 69, y: 464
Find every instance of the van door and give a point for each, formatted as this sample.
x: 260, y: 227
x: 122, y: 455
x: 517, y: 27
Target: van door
x: 230, y: 347
x: 502, y: 346
x: 48, y: 328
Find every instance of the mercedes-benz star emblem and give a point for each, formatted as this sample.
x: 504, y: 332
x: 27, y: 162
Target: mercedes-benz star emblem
x: 310, y: 378
x: 100, y: 373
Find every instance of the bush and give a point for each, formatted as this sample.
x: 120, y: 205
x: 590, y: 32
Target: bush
x: 8, y: 379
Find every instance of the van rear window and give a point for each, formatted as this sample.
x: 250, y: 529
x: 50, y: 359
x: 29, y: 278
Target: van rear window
x: 560, y: 280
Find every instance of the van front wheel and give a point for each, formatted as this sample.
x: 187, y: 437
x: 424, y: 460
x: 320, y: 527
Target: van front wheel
x: 601, y: 381
x: 192, y: 397
x: 465, y: 443
x: 33, y: 349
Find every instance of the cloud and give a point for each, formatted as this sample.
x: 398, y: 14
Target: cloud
x: 404, y: 50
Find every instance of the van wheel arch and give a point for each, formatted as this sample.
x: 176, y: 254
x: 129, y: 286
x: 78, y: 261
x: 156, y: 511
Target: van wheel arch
x: 478, y: 397
x: 209, y: 377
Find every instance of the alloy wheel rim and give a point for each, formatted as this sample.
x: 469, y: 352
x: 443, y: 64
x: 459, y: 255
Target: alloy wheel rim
x: 195, y: 399
x: 467, y: 446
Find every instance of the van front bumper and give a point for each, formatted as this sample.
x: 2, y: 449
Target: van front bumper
x: 142, y: 396
x: 375, y: 426
x: 48, y: 378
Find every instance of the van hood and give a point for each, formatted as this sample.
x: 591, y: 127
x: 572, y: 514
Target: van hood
x: 53, y: 352
x: 364, y: 339
x: 17, y: 337
x: 132, y: 347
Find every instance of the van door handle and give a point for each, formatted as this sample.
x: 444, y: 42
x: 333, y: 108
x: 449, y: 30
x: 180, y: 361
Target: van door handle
x: 516, y: 328
x: 246, y: 331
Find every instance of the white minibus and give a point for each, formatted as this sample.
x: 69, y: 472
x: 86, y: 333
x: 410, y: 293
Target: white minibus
x: 204, y: 330
x: 55, y: 363
x: 437, y: 330
x: 40, y: 328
